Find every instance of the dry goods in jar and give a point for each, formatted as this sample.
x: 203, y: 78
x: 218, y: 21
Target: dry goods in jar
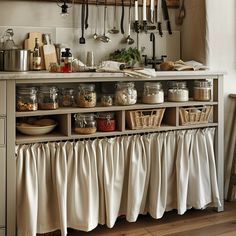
x: 85, y: 123
x: 67, y: 97
x: 202, y: 90
x: 153, y: 93
x: 125, y: 94
x: 106, y: 100
x: 26, y: 99
x: 86, y: 95
x: 106, y: 121
x: 178, y: 92
x: 48, y: 98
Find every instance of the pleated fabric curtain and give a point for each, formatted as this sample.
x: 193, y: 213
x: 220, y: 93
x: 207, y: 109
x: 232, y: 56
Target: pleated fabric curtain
x: 82, y: 184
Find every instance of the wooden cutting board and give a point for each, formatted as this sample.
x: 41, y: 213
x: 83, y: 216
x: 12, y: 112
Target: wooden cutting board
x: 50, y: 55
x: 29, y: 44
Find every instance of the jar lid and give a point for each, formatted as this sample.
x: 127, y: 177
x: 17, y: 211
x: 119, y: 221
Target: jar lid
x: 26, y: 90
x: 177, y: 84
x: 48, y: 89
x: 202, y: 83
x: 125, y: 84
x: 156, y: 85
x: 84, y: 116
x: 106, y: 115
x: 89, y: 87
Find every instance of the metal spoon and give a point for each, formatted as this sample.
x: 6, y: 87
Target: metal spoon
x: 114, y: 30
x: 129, y: 40
x: 104, y: 38
x: 95, y: 36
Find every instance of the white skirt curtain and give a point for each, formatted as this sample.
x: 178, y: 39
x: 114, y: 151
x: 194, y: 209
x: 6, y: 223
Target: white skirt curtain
x: 82, y: 184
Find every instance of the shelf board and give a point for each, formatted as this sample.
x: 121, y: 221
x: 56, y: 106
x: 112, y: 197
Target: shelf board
x: 71, y: 110
x: 54, y: 137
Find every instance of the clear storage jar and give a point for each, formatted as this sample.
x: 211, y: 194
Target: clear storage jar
x: 178, y: 91
x: 106, y: 100
x: 26, y: 99
x: 106, y: 121
x: 86, y: 96
x: 67, y: 97
x: 202, y: 90
x: 153, y: 93
x: 85, y: 123
x: 125, y: 94
x: 48, y: 98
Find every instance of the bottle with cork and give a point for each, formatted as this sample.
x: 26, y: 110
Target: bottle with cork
x: 37, y: 56
x: 66, y: 61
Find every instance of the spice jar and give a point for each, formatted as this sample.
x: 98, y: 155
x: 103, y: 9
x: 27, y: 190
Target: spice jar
x: 48, y: 98
x: 178, y: 92
x: 106, y: 121
x: 67, y: 98
x: 125, y: 94
x: 153, y: 93
x: 26, y: 99
x: 85, y: 123
x: 86, y: 95
x: 202, y: 90
x: 106, y: 100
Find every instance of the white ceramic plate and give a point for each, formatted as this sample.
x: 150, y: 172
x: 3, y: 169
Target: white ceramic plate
x: 36, y: 130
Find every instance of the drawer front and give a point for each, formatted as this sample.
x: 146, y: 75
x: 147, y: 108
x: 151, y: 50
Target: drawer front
x: 2, y: 232
x: 2, y: 131
x: 2, y: 187
x: 3, y: 98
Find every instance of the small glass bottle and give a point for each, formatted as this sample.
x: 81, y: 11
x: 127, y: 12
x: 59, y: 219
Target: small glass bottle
x: 85, y: 123
x: 67, y: 97
x: 36, y: 56
x: 153, y: 93
x: 26, y: 99
x: 86, y: 95
x: 202, y: 90
x: 178, y: 91
x: 125, y: 94
x: 66, y: 58
x: 106, y: 100
x: 48, y: 98
x: 106, y: 121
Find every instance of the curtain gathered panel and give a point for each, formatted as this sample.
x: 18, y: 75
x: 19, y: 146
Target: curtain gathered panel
x: 85, y: 183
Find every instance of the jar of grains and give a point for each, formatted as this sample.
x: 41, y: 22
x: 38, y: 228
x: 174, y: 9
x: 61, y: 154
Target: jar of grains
x: 67, y: 97
x: 106, y: 121
x: 26, y: 99
x: 86, y: 95
x: 48, y: 98
x: 85, y: 123
x: 125, y: 94
x: 106, y: 100
x: 178, y: 92
x: 202, y: 90
x: 153, y: 93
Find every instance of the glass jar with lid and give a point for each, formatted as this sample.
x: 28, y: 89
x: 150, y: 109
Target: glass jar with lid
x: 125, y: 93
x: 178, y: 91
x: 202, y: 90
x: 67, y: 97
x: 26, y: 99
x: 48, y: 98
x: 106, y: 100
x: 86, y: 96
x: 153, y: 93
x: 85, y: 123
x: 106, y: 121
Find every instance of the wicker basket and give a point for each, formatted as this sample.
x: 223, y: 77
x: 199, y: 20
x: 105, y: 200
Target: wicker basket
x: 144, y: 119
x: 195, y: 115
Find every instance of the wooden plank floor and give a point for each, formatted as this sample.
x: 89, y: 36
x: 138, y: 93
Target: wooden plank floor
x: 193, y: 223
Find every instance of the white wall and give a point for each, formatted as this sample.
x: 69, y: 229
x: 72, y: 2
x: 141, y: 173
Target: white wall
x: 27, y: 16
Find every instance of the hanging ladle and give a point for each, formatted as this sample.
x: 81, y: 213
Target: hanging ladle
x: 95, y: 36
x: 114, y: 30
x: 104, y: 38
x: 129, y: 40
